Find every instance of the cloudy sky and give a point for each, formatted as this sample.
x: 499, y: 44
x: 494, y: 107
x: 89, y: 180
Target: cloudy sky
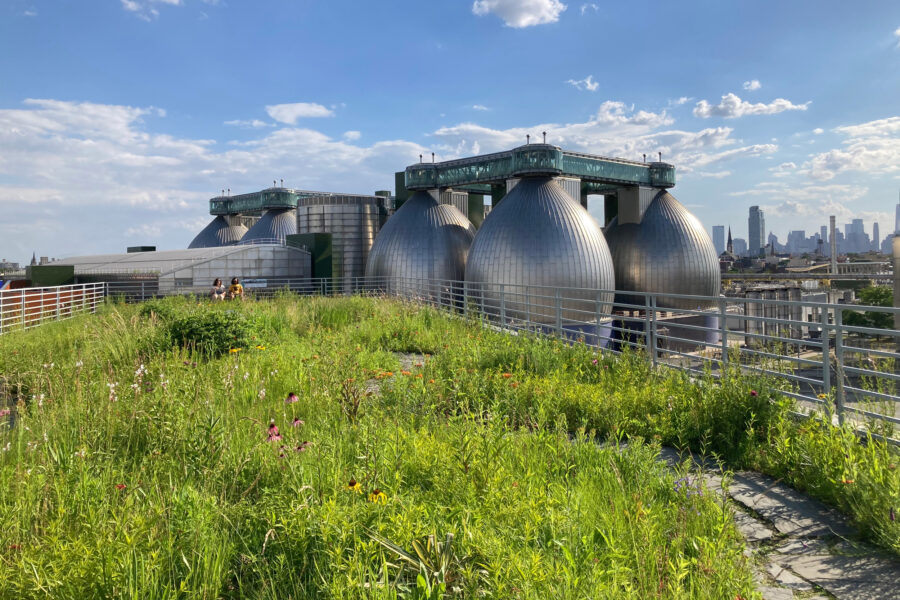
x: 119, y: 119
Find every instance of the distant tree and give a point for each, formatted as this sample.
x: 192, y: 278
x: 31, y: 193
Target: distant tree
x: 872, y: 296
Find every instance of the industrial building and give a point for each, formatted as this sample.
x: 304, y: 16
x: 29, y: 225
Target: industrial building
x: 338, y: 230
x: 538, y: 236
x: 191, y: 270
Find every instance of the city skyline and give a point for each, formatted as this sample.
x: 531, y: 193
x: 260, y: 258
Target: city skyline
x: 126, y: 117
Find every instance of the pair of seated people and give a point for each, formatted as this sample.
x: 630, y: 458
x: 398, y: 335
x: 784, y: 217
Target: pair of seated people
x: 235, y: 290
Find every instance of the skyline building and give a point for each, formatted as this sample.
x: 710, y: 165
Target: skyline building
x: 718, y: 238
x: 740, y: 246
x: 897, y: 219
x: 876, y: 238
x: 756, y: 225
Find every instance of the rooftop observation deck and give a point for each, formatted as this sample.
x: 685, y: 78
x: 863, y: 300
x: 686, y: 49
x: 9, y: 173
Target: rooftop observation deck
x: 598, y: 172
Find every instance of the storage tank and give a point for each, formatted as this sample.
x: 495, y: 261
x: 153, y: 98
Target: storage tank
x: 274, y: 226
x: 668, y: 251
x: 537, y: 242
x: 353, y: 222
x: 219, y: 233
x: 422, y: 242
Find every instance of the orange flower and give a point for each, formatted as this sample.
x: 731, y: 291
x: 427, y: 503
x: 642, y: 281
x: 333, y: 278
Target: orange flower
x: 405, y: 373
x: 846, y: 481
x: 514, y: 384
x: 419, y: 375
x: 507, y: 375
x: 431, y: 381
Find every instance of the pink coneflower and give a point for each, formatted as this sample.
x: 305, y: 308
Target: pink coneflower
x: 302, y: 447
x: 291, y: 398
x: 4, y: 412
x: 754, y: 393
x: 594, y: 362
x: 296, y: 422
x: 121, y: 486
x: 274, y: 436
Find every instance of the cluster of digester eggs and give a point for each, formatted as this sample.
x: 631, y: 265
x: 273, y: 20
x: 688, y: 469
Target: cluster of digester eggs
x: 540, y: 239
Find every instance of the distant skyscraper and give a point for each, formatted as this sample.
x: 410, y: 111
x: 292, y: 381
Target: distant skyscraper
x: 718, y: 238
x: 757, y: 231
x: 823, y: 234
x: 876, y: 238
x: 740, y: 247
x: 897, y: 219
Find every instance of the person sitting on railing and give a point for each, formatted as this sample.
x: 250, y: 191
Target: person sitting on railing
x: 218, y: 290
x: 235, y: 290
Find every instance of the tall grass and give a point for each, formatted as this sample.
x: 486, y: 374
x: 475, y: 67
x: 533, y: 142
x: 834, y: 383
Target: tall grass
x: 139, y: 468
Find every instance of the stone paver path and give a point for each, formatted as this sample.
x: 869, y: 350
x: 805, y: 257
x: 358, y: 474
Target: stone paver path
x: 805, y: 549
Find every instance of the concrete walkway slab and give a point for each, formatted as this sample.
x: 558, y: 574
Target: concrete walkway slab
x: 788, y: 510
x: 848, y: 577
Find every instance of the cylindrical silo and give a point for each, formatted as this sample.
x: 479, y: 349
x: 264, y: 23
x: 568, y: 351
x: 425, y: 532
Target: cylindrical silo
x: 421, y: 250
x: 219, y: 232
x: 274, y: 226
x: 539, y: 256
x: 353, y: 222
x: 668, y: 251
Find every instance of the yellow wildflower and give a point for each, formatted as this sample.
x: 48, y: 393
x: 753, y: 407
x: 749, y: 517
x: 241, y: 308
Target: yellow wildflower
x: 377, y: 496
x: 354, y: 486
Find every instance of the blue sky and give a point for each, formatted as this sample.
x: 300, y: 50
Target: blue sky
x: 120, y: 118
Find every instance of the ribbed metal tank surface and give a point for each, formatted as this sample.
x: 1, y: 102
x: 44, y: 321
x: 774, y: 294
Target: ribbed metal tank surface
x: 541, y: 236
x: 669, y: 251
x: 422, y: 241
x: 218, y: 233
x: 275, y: 224
x: 352, y: 221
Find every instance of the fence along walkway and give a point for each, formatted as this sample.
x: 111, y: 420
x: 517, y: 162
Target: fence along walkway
x: 30, y: 307
x: 848, y: 371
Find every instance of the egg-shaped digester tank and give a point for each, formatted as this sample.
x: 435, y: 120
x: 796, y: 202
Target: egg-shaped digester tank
x: 540, y: 257
x: 668, y: 251
x: 421, y: 250
x: 218, y: 233
x: 274, y: 226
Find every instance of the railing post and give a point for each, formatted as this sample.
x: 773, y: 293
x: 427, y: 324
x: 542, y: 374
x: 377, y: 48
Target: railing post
x: 558, y: 314
x: 650, y: 325
x: 599, y: 316
x: 465, y: 300
x: 826, y: 354
x: 723, y: 330
x: 57, y: 303
x: 839, y: 363
x: 502, y: 307
x: 23, y: 307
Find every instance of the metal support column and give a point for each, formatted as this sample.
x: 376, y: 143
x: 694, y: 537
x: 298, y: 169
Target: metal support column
x: 723, y: 330
x: 826, y: 354
x: 502, y: 307
x: 839, y: 364
x: 558, y: 313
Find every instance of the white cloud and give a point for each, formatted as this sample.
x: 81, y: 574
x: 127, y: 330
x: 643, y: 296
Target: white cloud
x: 679, y: 101
x: 521, y: 13
x: 289, y: 113
x: 587, y: 83
x: 732, y: 107
x: 479, y: 107
x: 145, y: 10
x: 818, y: 131
x: 352, y: 135
x: 32, y: 12
x: 107, y: 168
x: 589, y: 6
x: 784, y: 169
x: 897, y: 35
x: 752, y: 85
x: 250, y: 124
